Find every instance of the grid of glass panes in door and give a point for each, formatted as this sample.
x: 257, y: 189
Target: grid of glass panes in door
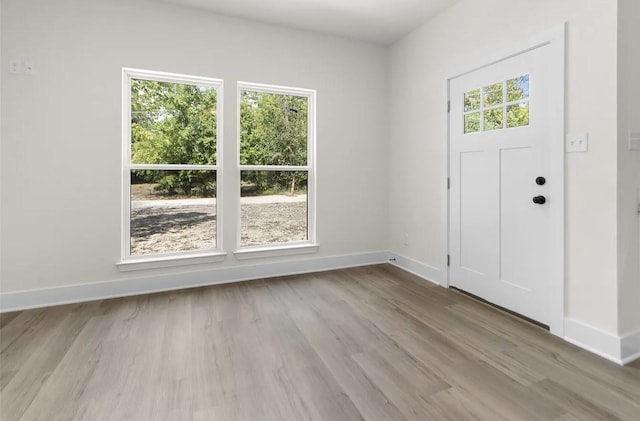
x: 497, y: 106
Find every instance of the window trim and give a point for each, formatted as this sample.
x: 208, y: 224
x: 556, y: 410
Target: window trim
x: 127, y: 261
x: 294, y: 247
x: 163, y: 261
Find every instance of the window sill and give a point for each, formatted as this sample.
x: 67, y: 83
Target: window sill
x: 274, y: 251
x: 170, y: 261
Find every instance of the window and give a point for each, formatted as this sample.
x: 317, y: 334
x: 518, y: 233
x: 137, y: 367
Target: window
x: 497, y: 106
x: 276, y: 152
x: 171, y: 132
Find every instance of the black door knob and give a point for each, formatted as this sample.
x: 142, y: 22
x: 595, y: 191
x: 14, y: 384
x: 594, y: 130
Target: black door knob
x: 541, y: 181
x: 539, y: 200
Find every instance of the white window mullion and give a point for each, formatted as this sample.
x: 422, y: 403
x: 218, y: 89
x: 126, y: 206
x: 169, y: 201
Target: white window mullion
x: 173, y: 167
x: 274, y: 168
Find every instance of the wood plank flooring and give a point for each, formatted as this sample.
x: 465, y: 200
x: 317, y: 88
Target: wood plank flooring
x: 372, y: 343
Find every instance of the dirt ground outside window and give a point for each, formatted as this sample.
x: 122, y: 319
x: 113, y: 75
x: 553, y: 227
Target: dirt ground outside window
x: 163, y: 225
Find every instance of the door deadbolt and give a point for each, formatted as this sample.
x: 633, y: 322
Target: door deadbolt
x: 539, y: 200
x: 541, y: 181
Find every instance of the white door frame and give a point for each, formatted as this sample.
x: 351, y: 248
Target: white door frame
x: 553, y: 38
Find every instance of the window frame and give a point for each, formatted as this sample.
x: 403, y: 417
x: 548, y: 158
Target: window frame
x: 177, y: 258
x: 293, y: 247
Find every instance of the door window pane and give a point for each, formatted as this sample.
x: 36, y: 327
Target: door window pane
x: 472, y: 100
x: 518, y: 88
x: 493, y: 94
x: 493, y: 119
x: 472, y: 123
x: 518, y: 115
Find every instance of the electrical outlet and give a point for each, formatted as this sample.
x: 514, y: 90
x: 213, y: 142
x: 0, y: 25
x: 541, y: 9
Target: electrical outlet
x: 577, y: 142
x: 15, y: 67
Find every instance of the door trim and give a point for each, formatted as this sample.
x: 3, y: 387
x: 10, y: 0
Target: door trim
x: 554, y: 39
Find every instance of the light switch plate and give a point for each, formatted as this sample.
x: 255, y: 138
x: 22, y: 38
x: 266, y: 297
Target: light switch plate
x: 634, y: 141
x: 577, y: 142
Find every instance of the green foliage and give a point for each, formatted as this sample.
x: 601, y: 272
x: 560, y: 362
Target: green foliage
x: 472, y: 123
x: 182, y: 182
x: 272, y: 182
x: 472, y: 100
x: 518, y: 115
x: 493, y: 94
x: 273, y: 131
x: 493, y: 119
x: 173, y: 123
x: 517, y: 89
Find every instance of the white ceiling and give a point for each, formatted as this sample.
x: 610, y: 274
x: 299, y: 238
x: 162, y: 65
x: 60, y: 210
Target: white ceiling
x: 380, y: 21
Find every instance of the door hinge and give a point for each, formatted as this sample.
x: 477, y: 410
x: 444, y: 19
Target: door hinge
x: 448, y: 260
x: 448, y: 106
x: 448, y: 183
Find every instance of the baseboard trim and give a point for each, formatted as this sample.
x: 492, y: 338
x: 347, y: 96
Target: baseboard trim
x: 618, y: 349
x: 424, y: 271
x: 630, y: 347
x: 68, y: 294
x: 597, y: 341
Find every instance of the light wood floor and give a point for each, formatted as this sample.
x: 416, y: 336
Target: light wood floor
x: 371, y: 343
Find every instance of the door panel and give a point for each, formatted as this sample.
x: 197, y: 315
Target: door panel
x: 473, y: 204
x: 499, y: 143
x: 518, y: 238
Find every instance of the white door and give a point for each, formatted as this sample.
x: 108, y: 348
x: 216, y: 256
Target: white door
x: 504, y: 184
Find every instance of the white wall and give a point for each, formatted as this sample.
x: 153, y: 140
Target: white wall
x: 61, y: 128
x: 459, y: 39
x: 628, y: 165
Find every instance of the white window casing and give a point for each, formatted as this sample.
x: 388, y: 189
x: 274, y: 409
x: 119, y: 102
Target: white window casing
x: 130, y: 262
x: 294, y: 247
